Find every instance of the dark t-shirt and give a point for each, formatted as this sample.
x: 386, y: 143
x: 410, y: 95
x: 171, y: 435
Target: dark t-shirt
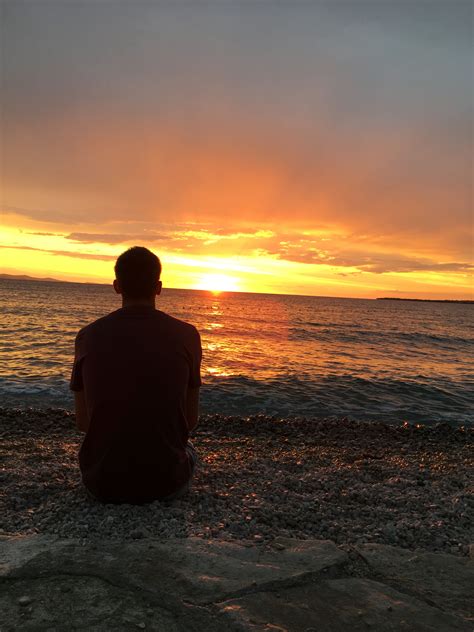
x: 135, y: 366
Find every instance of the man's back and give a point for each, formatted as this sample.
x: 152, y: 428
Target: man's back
x: 135, y: 367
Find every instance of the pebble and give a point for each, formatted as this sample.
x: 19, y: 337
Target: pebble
x: 295, y: 478
x: 138, y: 533
x: 278, y: 546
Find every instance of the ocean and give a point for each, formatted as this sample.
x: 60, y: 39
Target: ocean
x: 279, y: 355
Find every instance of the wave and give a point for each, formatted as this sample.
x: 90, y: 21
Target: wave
x: 365, y: 336
x: 343, y: 396
x: 283, y: 355
x: 290, y: 395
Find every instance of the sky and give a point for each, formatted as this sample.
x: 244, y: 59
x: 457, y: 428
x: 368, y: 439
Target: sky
x: 319, y: 148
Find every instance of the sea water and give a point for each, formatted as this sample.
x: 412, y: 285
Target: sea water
x: 272, y: 354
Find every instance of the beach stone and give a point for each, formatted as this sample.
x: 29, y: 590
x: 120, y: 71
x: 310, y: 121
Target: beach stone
x: 340, y: 605
x: 191, y: 584
x: 16, y: 551
x: 138, y: 533
x: 445, y: 580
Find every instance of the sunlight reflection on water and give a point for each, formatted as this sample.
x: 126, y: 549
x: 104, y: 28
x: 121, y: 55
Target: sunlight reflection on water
x: 277, y: 354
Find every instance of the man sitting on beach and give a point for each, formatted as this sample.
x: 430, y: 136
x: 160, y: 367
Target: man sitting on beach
x: 136, y: 380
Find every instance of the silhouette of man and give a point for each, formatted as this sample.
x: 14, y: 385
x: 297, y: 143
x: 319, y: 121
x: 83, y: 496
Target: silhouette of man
x: 136, y: 379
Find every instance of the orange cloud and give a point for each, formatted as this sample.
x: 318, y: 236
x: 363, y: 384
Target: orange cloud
x: 65, y: 253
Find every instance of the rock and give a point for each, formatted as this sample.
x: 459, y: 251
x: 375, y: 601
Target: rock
x: 278, y: 546
x: 340, y: 605
x: 191, y: 584
x: 138, y: 533
x: 24, y: 600
x: 448, y: 580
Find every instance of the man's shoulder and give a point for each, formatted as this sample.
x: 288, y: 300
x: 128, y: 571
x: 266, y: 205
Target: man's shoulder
x: 176, y: 324
x: 107, y: 325
x: 96, y: 325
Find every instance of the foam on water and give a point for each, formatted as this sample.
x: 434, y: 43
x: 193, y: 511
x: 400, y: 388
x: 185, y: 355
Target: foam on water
x: 282, y: 355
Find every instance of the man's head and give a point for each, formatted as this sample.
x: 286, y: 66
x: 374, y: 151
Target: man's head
x: 137, y: 273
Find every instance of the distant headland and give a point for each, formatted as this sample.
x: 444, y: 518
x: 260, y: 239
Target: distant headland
x: 25, y: 277
x: 424, y: 300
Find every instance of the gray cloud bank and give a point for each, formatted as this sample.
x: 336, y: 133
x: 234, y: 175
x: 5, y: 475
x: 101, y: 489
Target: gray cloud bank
x: 349, y: 114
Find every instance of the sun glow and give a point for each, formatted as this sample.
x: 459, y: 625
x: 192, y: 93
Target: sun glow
x: 29, y: 247
x: 217, y: 283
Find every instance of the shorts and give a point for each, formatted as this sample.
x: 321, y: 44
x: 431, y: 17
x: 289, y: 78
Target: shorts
x: 193, y: 460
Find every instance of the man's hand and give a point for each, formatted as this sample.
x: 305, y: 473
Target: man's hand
x: 82, y: 418
x: 192, y: 408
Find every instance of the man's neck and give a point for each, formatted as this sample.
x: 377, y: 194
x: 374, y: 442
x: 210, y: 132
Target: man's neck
x: 130, y: 302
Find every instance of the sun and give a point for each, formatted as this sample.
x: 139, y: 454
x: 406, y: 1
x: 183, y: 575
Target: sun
x: 217, y: 283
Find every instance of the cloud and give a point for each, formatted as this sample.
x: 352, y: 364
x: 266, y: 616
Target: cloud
x: 355, y: 117
x: 50, y: 215
x: 41, y: 233
x: 331, y: 249
x: 110, y: 238
x: 396, y: 263
x: 189, y: 236
x: 377, y: 263
x: 342, y: 251
x: 65, y: 253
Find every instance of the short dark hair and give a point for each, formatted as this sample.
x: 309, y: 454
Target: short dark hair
x: 138, y: 269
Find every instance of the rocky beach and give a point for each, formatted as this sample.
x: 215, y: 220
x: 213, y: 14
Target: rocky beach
x: 291, y: 525
x: 258, y: 478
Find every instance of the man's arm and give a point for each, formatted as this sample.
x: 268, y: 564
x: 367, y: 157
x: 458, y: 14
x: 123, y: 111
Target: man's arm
x: 77, y: 386
x: 192, y: 407
x: 82, y: 418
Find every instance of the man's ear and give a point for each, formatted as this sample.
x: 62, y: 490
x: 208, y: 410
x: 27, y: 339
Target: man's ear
x: 159, y: 286
x: 117, y: 287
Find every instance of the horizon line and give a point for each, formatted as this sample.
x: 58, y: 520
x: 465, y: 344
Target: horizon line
x: 27, y: 277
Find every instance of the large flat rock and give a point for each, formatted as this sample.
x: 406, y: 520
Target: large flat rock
x: 197, y: 570
x: 340, y: 605
x: 194, y: 584
x: 443, y: 580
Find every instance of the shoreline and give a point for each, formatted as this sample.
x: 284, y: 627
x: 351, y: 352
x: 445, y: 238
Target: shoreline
x: 259, y: 478
x: 42, y: 406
